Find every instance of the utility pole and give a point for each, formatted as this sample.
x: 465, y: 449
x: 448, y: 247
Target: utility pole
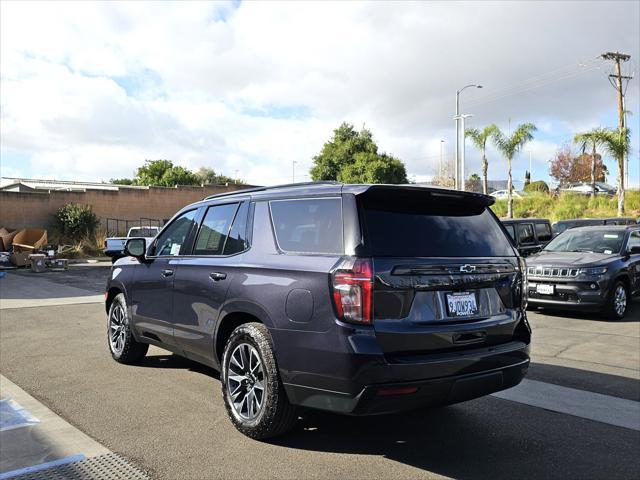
x: 293, y: 173
x: 618, y: 57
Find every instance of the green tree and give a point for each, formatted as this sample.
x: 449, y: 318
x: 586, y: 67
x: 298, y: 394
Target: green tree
x: 123, y: 181
x: 509, y: 146
x: 537, y: 186
x: 352, y: 157
x: 479, y: 139
x: 593, y: 139
x: 152, y: 171
x: 474, y: 183
x: 527, y: 178
x: 208, y: 176
x: 617, y: 144
x: 178, y: 176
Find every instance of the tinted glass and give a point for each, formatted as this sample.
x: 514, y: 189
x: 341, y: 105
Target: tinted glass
x: 543, y: 232
x: 215, y: 229
x: 598, y: 241
x: 173, y: 237
x: 431, y: 228
x: 634, y: 240
x: 236, y: 241
x: 310, y: 226
x: 510, y: 230
x: 525, y: 233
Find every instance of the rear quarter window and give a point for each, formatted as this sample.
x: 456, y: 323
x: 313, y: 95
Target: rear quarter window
x: 311, y: 225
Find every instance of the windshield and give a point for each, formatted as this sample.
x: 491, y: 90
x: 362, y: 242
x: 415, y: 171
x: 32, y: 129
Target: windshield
x: 597, y: 241
x: 143, y: 232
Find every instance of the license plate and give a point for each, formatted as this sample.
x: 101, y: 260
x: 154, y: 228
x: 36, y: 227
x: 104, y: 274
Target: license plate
x: 461, y: 304
x: 545, y: 289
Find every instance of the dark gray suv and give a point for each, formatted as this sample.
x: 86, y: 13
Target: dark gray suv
x: 358, y: 299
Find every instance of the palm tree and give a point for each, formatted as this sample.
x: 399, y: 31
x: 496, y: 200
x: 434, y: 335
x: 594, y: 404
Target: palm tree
x: 617, y: 144
x: 509, y: 146
x: 593, y: 138
x: 479, y: 139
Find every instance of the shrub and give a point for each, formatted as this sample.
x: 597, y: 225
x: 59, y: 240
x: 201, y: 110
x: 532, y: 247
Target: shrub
x: 537, y: 186
x: 74, y: 222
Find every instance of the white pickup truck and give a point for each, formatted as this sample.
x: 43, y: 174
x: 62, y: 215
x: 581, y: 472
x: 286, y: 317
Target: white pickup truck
x: 114, y: 246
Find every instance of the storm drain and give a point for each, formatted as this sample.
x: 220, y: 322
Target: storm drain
x: 110, y: 466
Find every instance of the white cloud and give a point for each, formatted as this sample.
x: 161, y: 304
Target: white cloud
x: 90, y: 90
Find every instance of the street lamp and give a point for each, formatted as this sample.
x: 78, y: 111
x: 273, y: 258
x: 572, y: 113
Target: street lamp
x: 293, y: 173
x: 458, y: 92
x: 462, y: 118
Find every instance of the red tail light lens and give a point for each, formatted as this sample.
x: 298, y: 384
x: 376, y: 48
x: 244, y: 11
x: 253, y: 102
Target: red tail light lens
x: 352, y: 282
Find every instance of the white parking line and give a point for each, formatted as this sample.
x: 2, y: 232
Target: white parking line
x: 592, y: 406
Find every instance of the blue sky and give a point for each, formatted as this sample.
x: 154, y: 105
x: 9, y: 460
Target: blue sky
x: 89, y: 91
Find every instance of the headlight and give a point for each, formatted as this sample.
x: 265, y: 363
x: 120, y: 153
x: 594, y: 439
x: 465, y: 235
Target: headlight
x: 594, y: 272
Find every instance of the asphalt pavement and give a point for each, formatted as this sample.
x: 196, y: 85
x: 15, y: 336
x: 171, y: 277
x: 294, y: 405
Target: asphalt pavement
x: 167, y: 415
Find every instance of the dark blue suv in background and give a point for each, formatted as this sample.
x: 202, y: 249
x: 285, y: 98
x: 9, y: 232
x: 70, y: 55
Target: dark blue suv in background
x: 358, y: 299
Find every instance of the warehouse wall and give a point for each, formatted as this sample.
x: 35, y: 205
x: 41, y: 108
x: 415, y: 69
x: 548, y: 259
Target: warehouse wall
x: 20, y: 210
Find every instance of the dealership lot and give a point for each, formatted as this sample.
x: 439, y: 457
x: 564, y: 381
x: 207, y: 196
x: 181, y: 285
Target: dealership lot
x: 575, y: 416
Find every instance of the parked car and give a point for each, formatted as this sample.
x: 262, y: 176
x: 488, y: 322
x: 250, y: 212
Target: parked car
x: 562, y: 225
x: 504, y: 194
x: 587, y: 268
x: 584, y: 188
x: 529, y: 235
x: 357, y: 299
x: 114, y: 246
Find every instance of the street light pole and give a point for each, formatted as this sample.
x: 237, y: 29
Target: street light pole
x: 462, y: 118
x: 457, y: 117
x: 440, y: 171
x: 293, y: 173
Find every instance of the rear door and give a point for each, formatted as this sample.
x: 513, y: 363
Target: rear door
x: 445, y: 274
x: 203, y: 278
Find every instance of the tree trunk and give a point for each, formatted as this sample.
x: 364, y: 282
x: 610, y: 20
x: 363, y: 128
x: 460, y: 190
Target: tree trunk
x: 485, y: 167
x: 593, y: 172
x: 621, y: 186
x: 509, y: 189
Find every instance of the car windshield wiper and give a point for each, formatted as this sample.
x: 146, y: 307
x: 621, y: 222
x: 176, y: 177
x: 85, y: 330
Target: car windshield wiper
x: 581, y: 250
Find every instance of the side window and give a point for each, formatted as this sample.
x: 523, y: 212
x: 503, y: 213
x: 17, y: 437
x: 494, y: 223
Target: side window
x: 543, y: 232
x: 237, y: 239
x: 525, y: 233
x: 510, y: 230
x: 215, y: 229
x: 308, y: 225
x: 170, y: 241
x: 634, y: 240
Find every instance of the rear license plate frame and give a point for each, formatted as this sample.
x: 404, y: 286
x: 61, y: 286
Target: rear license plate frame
x: 469, y: 295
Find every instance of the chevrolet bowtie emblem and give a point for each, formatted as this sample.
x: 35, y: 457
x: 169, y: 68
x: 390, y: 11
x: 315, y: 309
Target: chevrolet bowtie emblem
x: 467, y: 268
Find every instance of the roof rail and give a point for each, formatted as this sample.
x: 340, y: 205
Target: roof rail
x: 261, y: 189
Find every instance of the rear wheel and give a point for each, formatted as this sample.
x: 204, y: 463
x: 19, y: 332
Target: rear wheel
x: 251, y: 387
x: 618, y: 301
x: 123, y: 347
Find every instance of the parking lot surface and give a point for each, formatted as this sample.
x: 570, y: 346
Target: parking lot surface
x: 167, y: 415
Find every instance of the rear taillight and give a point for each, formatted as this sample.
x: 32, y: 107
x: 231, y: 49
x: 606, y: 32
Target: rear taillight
x: 352, y: 283
x: 524, y: 287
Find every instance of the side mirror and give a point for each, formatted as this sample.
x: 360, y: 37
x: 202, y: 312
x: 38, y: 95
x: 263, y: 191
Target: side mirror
x: 635, y: 249
x: 135, y: 247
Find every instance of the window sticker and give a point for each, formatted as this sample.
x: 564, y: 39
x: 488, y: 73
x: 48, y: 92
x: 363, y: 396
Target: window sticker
x: 610, y: 235
x: 175, y: 249
x: 608, y: 252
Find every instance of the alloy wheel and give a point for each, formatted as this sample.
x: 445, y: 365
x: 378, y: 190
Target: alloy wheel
x: 117, y: 329
x: 245, y: 381
x: 620, y: 300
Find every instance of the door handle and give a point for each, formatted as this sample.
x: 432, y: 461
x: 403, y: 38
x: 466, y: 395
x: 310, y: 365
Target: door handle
x: 216, y: 276
x: 167, y: 273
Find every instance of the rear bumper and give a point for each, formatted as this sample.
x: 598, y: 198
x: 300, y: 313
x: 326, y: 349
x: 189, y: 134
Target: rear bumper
x: 418, y: 382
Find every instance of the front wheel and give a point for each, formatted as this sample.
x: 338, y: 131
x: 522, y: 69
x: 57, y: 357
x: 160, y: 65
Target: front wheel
x: 618, y: 301
x: 251, y: 387
x: 123, y: 347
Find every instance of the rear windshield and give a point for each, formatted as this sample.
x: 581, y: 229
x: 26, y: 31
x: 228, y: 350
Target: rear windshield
x: 415, y: 226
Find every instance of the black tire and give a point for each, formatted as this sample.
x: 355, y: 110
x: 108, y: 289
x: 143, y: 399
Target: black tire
x: 276, y: 415
x: 611, y: 309
x: 126, y: 349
